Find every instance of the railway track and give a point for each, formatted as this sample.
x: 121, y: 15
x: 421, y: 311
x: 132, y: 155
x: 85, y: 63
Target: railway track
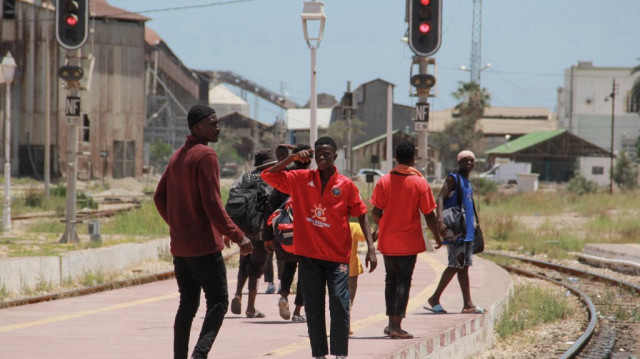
x: 82, y: 214
x: 612, y: 305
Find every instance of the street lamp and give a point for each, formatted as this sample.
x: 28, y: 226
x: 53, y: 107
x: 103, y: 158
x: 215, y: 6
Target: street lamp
x: 8, y: 66
x: 313, y: 13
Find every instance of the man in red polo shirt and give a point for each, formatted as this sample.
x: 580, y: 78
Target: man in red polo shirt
x: 188, y: 199
x: 398, y: 199
x: 323, y: 201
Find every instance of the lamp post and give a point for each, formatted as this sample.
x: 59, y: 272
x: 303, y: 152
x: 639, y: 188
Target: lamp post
x: 313, y: 13
x: 8, y: 65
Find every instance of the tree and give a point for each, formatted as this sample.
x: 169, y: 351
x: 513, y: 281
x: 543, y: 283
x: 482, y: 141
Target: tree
x: 338, y: 130
x: 625, y: 173
x: 461, y: 133
x: 159, y: 154
x: 635, y: 90
x: 472, y: 100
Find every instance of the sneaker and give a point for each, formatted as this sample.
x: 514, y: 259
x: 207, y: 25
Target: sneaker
x: 279, y: 288
x: 270, y: 288
x: 341, y: 357
x: 320, y: 357
x: 283, y: 304
x: 298, y: 318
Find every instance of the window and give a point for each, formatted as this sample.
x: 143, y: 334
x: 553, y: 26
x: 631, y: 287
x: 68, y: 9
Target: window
x: 86, y: 128
x: 8, y: 9
x: 633, y: 103
x: 597, y: 170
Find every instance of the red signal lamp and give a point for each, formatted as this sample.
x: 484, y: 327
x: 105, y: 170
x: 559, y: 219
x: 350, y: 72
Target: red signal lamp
x: 425, y: 27
x: 72, y: 20
x: 425, y: 2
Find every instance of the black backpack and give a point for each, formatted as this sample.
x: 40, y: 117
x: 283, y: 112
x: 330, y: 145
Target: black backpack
x: 245, y: 205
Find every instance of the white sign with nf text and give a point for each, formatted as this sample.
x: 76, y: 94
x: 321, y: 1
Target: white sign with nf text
x: 72, y: 106
x: 422, y: 112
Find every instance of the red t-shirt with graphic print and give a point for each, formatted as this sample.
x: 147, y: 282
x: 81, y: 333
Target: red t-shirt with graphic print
x: 320, y: 220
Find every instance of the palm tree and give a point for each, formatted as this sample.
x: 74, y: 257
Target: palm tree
x: 472, y: 100
x: 461, y: 133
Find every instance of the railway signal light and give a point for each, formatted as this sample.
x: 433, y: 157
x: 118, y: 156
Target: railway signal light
x: 423, y: 81
x: 425, y: 26
x: 72, y: 23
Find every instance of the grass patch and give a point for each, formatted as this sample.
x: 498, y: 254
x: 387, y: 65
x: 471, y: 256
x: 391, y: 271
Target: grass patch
x: 531, y: 306
x: 141, y: 221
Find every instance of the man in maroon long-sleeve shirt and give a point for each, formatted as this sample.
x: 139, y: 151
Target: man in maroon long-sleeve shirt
x: 188, y: 198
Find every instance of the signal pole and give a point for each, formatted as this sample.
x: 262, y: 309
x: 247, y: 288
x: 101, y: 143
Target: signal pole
x: 72, y: 20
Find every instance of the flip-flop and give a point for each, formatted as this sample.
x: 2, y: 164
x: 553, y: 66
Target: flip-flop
x: 256, y: 314
x: 403, y: 334
x: 474, y: 310
x: 437, y: 309
x: 236, y: 306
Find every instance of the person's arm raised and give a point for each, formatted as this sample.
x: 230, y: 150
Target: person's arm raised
x: 302, y: 156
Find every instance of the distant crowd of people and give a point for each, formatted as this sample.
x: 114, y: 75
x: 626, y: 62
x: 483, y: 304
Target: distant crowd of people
x: 303, y: 216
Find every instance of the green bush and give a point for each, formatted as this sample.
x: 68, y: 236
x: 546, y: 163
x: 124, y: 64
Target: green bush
x: 625, y: 173
x: 580, y: 185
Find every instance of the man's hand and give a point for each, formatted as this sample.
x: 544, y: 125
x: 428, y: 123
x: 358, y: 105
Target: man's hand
x: 442, y: 229
x: 268, y: 246
x: 303, y: 156
x: 371, y: 261
x: 227, y: 241
x: 438, y: 242
x: 245, y: 246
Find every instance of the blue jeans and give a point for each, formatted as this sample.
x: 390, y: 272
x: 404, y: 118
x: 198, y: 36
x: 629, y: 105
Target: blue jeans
x: 193, y: 274
x: 399, y: 271
x: 315, y: 276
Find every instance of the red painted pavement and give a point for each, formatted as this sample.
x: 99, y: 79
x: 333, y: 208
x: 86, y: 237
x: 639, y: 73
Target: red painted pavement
x: 136, y: 322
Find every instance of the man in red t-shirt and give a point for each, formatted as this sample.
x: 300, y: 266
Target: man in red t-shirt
x: 323, y: 201
x: 398, y: 199
x: 188, y: 199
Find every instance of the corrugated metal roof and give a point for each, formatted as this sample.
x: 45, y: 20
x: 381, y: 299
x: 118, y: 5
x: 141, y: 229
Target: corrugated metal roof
x: 525, y: 141
x: 101, y: 8
x: 373, y: 140
x: 220, y: 94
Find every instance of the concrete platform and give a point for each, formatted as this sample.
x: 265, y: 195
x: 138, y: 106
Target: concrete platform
x: 136, y: 322
x: 624, y: 258
x: 626, y: 252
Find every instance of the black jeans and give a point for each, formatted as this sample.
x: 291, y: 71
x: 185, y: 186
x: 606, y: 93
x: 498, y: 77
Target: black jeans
x: 315, y: 276
x: 288, y: 273
x: 397, y: 283
x: 193, y: 274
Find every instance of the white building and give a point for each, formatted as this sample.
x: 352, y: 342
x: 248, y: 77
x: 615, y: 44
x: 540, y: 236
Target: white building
x: 225, y: 102
x: 585, y: 105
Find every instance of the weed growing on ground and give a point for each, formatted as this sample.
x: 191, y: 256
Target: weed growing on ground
x: 141, y: 221
x: 91, y: 279
x: 531, y: 306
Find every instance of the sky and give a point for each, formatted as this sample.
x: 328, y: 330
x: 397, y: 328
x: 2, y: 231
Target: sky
x: 529, y: 44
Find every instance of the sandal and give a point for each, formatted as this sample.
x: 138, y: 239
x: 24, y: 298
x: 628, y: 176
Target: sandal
x: 474, y: 310
x: 236, y: 306
x: 386, y: 330
x: 436, y: 309
x: 256, y: 314
x: 402, y: 334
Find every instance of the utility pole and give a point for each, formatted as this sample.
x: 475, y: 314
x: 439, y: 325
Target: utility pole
x: 613, y: 120
x: 348, y: 110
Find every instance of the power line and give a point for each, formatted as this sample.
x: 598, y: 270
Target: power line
x: 186, y: 7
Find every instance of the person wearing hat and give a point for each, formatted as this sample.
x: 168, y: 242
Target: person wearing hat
x: 251, y: 267
x: 188, y: 199
x: 460, y: 250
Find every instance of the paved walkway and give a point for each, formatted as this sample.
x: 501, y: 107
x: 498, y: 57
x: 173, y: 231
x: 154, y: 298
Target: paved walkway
x: 136, y: 322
